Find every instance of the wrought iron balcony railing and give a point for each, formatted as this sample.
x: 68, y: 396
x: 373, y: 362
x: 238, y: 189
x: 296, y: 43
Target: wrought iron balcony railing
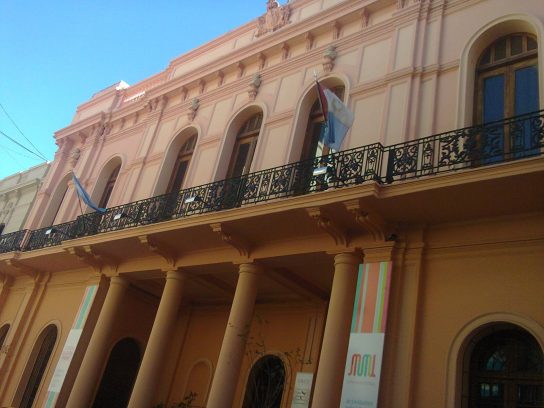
x: 12, y: 241
x: 505, y: 140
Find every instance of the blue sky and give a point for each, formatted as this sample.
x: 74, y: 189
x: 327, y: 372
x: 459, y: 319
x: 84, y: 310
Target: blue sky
x: 55, y: 54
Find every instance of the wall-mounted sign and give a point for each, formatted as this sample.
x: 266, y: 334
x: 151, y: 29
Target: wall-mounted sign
x: 303, y: 388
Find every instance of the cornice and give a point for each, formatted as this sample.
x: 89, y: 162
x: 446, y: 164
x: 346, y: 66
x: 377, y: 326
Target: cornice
x: 21, y: 186
x: 269, y: 42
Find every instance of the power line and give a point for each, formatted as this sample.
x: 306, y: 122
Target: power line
x: 20, y: 145
x: 16, y: 152
x: 21, y: 132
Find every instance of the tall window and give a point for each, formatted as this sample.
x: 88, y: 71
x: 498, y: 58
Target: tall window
x: 507, y: 371
x: 507, y: 85
x: 244, y: 148
x: 109, y: 187
x: 265, y: 383
x: 182, y: 164
x: 313, y: 140
x: 37, y: 364
x: 59, y: 205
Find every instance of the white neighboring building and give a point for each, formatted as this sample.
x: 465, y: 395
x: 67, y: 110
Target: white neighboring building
x: 17, y: 194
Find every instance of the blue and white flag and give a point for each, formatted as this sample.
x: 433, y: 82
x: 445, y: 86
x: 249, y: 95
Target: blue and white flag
x: 85, y: 196
x: 337, y: 116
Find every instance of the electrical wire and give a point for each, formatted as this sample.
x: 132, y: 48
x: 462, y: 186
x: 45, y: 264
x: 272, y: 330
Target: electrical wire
x: 7, y: 149
x: 42, y: 156
x: 20, y: 145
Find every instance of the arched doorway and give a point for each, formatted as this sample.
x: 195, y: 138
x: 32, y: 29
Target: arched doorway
x: 265, y: 384
x: 506, y: 370
x: 36, y: 366
x: 119, y: 376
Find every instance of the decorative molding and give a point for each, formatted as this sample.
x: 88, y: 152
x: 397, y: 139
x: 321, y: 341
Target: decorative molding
x: 284, y: 51
x: 329, y: 56
x: 309, y: 38
x: 254, y: 86
x: 220, y: 77
x: 237, y: 242
x: 276, y: 16
x: 22, y: 269
x: 328, y: 225
x: 370, y: 222
x: 193, y: 108
x: 365, y: 18
x: 159, y: 248
x: 201, y: 86
x: 91, y: 257
x: 184, y: 93
x: 240, y: 68
x: 336, y: 30
x: 262, y: 61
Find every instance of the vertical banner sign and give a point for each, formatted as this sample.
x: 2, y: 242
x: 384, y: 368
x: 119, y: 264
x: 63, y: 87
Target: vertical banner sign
x: 365, y: 351
x: 303, y: 389
x: 69, y: 347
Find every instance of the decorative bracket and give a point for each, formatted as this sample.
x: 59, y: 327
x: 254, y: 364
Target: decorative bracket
x: 370, y: 222
x: 329, y: 57
x: 159, y: 248
x: 254, y: 86
x: 365, y: 17
x: 193, y: 108
x: 233, y: 240
x: 22, y: 269
x: 88, y: 255
x: 327, y: 224
x: 309, y: 37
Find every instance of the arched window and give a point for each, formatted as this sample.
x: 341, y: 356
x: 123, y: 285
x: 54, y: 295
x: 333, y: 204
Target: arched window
x: 244, y: 147
x: 506, y: 370
x: 313, y: 144
x: 3, y: 334
x: 37, y: 364
x: 507, y: 85
x: 109, y: 187
x: 182, y: 164
x: 119, y: 376
x: 51, y: 215
x: 265, y: 383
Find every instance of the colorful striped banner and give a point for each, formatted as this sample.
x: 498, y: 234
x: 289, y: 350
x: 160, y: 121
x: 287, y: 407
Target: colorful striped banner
x: 372, y: 298
x: 365, y: 350
x: 70, y: 347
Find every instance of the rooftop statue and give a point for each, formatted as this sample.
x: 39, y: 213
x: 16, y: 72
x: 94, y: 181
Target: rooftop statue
x: 276, y: 17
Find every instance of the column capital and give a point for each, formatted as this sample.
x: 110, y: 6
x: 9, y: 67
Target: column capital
x: 350, y: 258
x: 250, y: 268
x: 380, y: 254
x: 175, y: 273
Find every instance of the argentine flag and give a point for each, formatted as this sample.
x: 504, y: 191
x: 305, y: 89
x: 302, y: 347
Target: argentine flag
x: 338, y: 118
x: 85, y: 196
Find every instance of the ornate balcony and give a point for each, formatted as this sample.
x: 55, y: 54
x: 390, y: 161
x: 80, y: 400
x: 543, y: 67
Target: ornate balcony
x: 462, y: 149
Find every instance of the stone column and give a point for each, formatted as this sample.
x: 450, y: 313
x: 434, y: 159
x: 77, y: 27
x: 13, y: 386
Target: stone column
x: 234, y: 341
x: 163, y: 327
x: 332, y: 360
x: 88, y: 377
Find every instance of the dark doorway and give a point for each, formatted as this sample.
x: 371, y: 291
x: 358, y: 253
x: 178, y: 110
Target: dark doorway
x: 507, y: 371
x: 119, y: 375
x: 265, y: 383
